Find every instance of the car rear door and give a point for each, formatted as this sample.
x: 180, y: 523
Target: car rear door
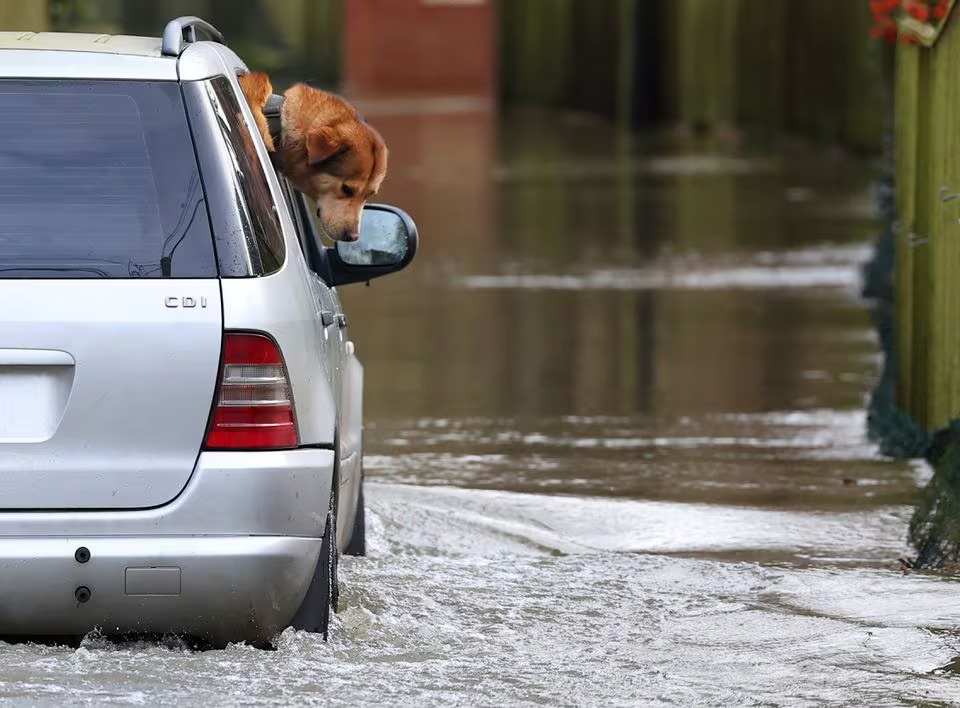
x: 328, y: 322
x: 347, y: 385
x: 344, y: 371
x: 111, y: 325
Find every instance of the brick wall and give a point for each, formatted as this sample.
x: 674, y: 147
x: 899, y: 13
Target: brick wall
x: 419, y: 48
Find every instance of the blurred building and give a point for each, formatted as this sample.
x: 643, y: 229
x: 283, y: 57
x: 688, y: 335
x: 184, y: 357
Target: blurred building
x: 420, y: 48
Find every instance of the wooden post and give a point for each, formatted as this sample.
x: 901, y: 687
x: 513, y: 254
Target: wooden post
x: 927, y: 289
x: 921, y: 254
x: 905, y: 127
x: 942, y: 199
x: 761, y: 62
x: 705, y: 51
x: 26, y: 16
x: 626, y: 81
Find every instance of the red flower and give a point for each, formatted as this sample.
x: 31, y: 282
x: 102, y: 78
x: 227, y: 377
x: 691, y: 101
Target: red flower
x: 886, y: 33
x: 919, y: 11
x: 886, y: 14
x: 881, y: 8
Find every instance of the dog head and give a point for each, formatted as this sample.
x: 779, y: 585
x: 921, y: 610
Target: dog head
x: 333, y: 156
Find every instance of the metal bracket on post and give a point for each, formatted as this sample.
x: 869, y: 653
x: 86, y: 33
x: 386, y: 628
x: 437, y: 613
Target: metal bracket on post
x: 947, y: 196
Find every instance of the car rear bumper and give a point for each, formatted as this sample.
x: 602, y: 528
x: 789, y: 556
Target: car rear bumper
x: 230, y: 559
x: 220, y: 589
x: 274, y: 493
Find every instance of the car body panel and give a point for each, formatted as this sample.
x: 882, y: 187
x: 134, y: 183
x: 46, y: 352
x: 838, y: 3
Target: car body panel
x: 117, y: 44
x: 271, y: 492
x: 122, y: 426
x: 351, y: 444
x: 244, y: 539
x: 204, y: 60
x: 34, y: 63
x: 225, y: 588
x: 285, y: 307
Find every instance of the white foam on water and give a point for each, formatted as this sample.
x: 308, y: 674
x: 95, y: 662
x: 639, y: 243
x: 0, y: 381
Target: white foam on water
x: 468, y: 522
x: 487, y: 598
x: 815, y: 268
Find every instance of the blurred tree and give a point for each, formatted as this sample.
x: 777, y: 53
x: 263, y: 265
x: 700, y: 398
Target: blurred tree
x: 802, y: 66
x: 143, y: 18
x: 70, y: 13
x: 291, y: 39
x: 27, y: 16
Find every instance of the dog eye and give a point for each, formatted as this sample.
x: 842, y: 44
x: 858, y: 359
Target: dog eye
x: 348, y: 191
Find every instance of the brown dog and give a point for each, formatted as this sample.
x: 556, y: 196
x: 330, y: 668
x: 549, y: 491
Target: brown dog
x: 325, y: 149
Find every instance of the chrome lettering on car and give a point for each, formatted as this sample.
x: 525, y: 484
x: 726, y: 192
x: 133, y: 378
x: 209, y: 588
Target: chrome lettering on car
x: 185, y: 302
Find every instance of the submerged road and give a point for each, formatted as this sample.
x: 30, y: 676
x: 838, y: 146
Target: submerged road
x: 616, y: 452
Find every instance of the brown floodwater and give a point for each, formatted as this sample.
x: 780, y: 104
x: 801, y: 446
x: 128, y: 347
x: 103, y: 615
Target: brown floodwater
x: 616, y: 447
x: 634, y: 320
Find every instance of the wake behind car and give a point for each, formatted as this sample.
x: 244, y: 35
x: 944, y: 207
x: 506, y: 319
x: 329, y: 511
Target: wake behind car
x: 181, y: 420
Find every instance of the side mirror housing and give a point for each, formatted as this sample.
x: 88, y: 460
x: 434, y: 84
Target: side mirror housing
x: 387, y: 244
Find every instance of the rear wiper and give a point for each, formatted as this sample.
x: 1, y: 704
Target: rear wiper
x: 166, y: 257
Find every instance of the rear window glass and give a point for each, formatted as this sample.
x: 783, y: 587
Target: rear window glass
x: 99, y: 179
x: 257, y: 208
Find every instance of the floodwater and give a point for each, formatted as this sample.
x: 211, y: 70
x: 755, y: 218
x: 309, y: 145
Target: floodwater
x: 615, y: 448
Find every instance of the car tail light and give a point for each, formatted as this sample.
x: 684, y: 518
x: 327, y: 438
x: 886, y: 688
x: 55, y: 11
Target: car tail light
x: 254, y: 405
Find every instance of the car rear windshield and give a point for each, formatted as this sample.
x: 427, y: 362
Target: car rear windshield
x: 99, y: 179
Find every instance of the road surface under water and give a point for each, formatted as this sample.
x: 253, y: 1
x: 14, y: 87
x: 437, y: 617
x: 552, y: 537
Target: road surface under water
x: 616, y: 450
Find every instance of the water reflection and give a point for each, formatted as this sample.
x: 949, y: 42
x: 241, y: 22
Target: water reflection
x: 638, y: 328
x: 470, y: 330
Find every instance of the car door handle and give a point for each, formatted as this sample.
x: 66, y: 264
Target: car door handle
x: 341, y: 321
x: 326, y: 317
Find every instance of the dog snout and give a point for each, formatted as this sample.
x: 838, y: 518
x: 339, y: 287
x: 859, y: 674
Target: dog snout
x: 349, y: 235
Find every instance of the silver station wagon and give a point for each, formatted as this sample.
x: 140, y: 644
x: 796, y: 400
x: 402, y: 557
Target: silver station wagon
x: 181, y: 418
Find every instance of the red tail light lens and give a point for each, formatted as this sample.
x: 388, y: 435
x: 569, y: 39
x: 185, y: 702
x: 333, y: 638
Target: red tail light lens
x: 254, y: 408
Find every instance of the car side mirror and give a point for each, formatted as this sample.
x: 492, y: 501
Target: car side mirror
x: 387, y: 243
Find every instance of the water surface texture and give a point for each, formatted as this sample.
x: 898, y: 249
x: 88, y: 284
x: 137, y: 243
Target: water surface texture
x: 616, y: 450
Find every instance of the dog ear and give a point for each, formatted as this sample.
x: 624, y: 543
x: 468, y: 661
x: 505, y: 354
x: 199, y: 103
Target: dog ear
x: 256, y: 87
x: 322, y: 143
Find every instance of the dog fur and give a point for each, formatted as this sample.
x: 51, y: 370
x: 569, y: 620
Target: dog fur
x: 326, y: 150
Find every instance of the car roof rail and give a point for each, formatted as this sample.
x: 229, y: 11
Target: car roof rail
x: 183, y: 31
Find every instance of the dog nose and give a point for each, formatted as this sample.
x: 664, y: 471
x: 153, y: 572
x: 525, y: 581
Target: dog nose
x: 350, y: 235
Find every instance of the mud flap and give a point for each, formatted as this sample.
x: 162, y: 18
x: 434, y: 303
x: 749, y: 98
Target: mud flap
x: 314, y: 612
